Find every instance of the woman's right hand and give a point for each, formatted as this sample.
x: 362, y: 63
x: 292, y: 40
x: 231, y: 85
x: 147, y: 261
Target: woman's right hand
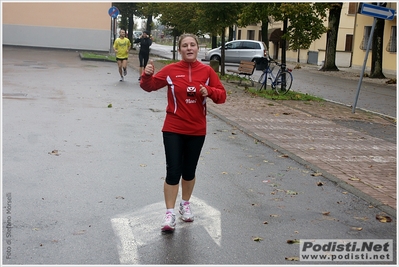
x: 149, y: 69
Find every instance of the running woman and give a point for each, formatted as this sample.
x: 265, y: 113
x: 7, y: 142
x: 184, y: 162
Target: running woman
x: 190, y: 83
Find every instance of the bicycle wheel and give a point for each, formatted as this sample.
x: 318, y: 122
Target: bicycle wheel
x: 262, y: 82
x: 283, y: 83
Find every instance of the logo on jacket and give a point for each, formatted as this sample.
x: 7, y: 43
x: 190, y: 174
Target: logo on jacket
x: 191, y: 90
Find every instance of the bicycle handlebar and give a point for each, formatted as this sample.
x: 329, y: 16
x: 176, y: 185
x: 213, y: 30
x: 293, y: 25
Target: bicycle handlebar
x: 278, y: 64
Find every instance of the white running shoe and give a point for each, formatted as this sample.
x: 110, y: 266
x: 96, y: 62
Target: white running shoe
x: 185, y: 211
x: 169, y: 222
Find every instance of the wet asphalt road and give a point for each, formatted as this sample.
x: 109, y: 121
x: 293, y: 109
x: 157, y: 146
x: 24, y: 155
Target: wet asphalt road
x: 82, y: 182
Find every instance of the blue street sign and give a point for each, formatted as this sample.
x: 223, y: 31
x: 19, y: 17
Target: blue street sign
x: 113, y: 12
x: 377, y: 11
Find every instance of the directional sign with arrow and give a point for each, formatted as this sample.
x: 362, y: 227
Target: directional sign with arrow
x: 377, y: 11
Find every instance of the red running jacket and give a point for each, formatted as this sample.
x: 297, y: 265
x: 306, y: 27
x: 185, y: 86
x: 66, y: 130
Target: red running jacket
x: 186, y: 109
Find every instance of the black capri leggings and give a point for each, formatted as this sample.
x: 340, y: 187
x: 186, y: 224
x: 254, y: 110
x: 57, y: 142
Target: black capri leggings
x: 182, y: 154
x: 143, y: 58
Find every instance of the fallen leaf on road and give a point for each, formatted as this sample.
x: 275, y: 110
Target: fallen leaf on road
x: 361, y: 218
x: 383, y: 218
x: 290, y: 192
x: 274, y: 215
x: 317, y: 174
x: 354, y: 179
x: 319, y: 183
x: 294, y: 241
x: 357, y: 228
x: 257, y: 238
x: 81, y: 232
x: 326, y: 213
x: 54, y: 152
x: 292, y: 258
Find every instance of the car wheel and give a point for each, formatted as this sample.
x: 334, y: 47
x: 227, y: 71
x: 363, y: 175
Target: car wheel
x: 215, y: 57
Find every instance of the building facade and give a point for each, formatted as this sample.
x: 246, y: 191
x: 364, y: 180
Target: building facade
x: 351, y: 35
x: 65, y: 25
x: 362, y: 29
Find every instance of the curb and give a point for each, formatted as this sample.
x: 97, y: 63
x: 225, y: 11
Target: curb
x: 95, y: 59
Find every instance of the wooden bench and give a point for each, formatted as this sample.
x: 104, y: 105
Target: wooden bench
x: 245, y: 70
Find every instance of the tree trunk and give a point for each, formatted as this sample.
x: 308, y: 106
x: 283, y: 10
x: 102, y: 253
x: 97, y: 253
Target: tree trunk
x: 149, y: 23
x: 284, y: 44
x: 174, y: 44
x: 265, y: 32
x: 332, y: 36
x: 130, y: 30
x: 231, y: 30
x: 214, y: 42
x: 377, y: 50
x: 222, y: 72
x: 298, y: 59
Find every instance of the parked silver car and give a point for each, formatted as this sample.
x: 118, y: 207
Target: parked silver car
x: 238, y: 50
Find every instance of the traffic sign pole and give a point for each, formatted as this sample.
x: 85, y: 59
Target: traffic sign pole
x: 111, y: 39
x: 364, y: 64
x: 113, y: 12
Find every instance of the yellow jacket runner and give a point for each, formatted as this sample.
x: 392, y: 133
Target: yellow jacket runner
x: 122, y: 45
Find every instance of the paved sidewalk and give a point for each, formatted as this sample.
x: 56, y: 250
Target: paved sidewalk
x: 363, y: 164
x: 326, y: 137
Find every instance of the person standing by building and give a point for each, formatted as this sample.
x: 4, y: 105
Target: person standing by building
x: 122, y: 47
x: 190, y: 83
x: 145, y: 42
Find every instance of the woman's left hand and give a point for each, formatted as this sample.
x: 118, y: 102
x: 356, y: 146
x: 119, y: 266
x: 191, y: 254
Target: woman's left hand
x: 203, y: 90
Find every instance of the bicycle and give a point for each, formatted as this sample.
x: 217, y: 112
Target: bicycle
x: 281, y: 82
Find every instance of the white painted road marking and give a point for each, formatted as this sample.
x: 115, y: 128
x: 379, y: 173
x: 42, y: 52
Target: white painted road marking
x: 143, y: 226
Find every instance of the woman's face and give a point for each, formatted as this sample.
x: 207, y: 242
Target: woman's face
x: 188, y: 49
